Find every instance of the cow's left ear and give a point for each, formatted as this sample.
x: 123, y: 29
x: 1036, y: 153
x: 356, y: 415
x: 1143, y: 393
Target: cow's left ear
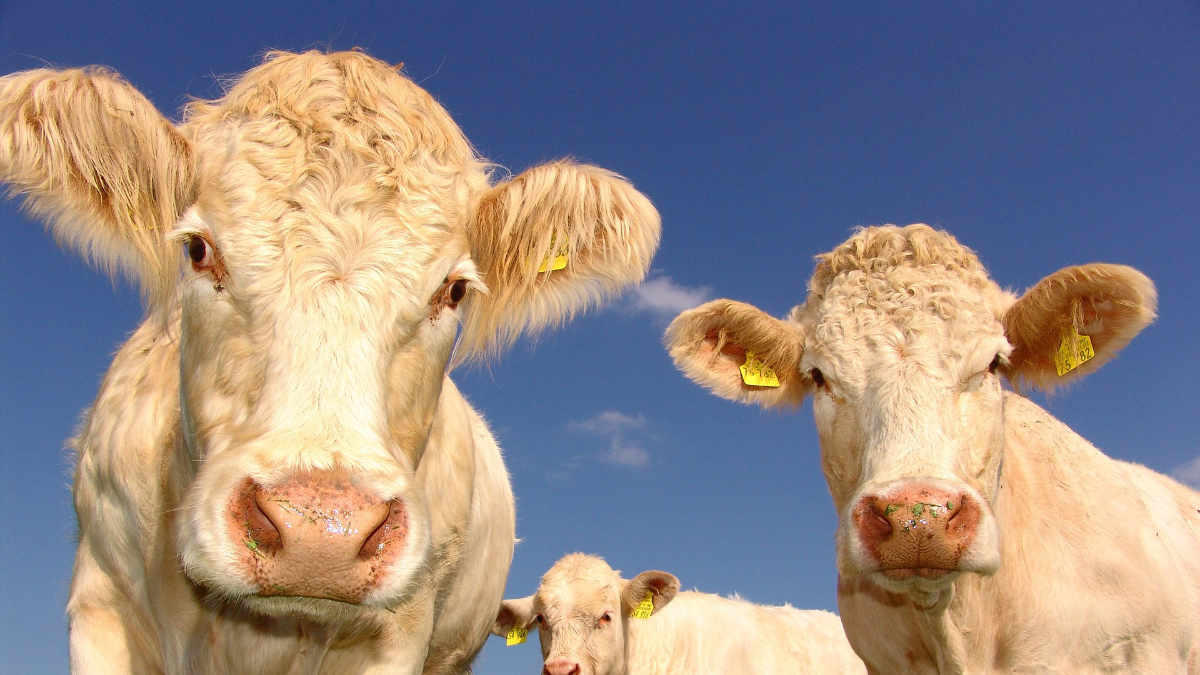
x: 1109, y: 304
x: 551, y: 242
x: 657, y: 586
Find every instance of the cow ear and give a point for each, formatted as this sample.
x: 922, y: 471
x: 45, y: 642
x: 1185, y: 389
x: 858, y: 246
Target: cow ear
x: 551, y: 242
x: 1109, y: 304
x: 513, y: 612
x: 659, y: 586
x: 97, y: 161
x: 711, y: 343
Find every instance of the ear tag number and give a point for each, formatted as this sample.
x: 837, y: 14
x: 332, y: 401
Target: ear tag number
x: 516, y: 636
x: 756, y: 373
x: 1074, y: 351
x: 645, y: 608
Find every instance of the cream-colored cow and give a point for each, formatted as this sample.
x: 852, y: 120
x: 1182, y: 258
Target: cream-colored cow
x: 590, y: 621
x: 277, y: 475
x: 977, y: 533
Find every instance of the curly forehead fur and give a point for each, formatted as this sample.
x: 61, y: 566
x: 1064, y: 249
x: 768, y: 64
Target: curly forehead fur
x: 913, y: 278
x: 580, y: 567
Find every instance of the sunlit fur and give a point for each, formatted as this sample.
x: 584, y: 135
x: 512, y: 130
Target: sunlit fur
x: 340, y: 204
x: 687, y: 632
x: 1066, y: 570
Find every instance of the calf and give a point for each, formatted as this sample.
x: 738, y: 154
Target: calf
x: 277, y: 474
x: 590, y: 621
x: 977, y: 533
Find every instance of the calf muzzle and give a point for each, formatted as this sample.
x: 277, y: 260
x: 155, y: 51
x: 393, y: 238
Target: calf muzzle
x: 316, y: 534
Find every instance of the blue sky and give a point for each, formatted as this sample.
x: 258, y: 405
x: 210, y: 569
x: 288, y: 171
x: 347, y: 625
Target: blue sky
x: 1040, y: 134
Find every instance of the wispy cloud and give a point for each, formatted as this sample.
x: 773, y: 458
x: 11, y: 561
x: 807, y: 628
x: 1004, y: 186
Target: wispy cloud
x: 623, y: 431
x: 1188, y: 473
x: 664, y: 298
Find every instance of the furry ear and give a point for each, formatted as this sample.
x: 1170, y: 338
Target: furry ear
x: 660, y: 586
x: 513, y: 612
x: 1108, y: 303
x: 98, y: 162
x: 553, y: 241
x: 709, y: 345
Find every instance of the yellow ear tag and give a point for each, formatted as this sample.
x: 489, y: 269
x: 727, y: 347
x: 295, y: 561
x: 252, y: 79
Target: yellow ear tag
x: 1074, y: 351
x: 756, y: 373
x: 516, y: 636
x: 645, y: 608
x: 558, y: 262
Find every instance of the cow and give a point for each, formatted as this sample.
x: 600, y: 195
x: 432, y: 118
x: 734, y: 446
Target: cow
x: 277, y: 474
x: 976, y: 533
x: 590, y: 621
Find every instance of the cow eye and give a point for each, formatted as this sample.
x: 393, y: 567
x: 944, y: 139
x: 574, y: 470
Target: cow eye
x: 538, y: 619
x: 200, y: 251
x: 605, y: 619
x: 456, y: 291
x: 995, y: 364
x: 817, y: 376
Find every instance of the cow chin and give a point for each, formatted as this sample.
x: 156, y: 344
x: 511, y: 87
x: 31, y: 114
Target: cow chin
x: 317, y: 610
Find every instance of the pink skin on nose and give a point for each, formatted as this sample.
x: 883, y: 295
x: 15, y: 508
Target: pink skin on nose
x: 561, y: 667
x: 316, y: 535
x: 917, y: 529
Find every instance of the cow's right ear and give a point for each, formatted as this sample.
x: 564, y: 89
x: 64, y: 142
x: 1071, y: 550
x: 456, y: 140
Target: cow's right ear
x: 513, y: 612
x: 101, y: 165
x: 711, y: 343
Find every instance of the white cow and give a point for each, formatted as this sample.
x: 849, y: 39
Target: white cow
x: 277, y: 475
x: 589, y: 623
x: 977, y: 533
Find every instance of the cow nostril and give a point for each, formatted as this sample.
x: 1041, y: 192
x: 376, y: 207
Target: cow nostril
x: 392, y: 527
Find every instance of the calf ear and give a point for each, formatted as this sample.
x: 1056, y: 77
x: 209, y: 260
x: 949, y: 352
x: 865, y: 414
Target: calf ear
x: 1108, y: 303
x: 513, y: 612
x: 710, y: 344
x: 98, y: 162
x: 549, y: 243
x: 660, y: 586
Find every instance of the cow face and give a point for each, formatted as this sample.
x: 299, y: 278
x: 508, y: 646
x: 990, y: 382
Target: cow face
x: 901, y: 343
x: 582, y: 610
x: 319, y: 237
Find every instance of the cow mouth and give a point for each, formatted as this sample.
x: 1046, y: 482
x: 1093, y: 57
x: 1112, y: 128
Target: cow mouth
x: 321, y: 610
x: 905, y: 573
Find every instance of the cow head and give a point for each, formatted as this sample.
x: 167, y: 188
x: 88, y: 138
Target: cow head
x: 319, y: 236
x: 901, y: 343
x: 582, y: 610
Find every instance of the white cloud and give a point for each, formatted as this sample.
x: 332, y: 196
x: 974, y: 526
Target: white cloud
x: 627, y: 454
x: 620, y: 429
x: 1188, y: 473
x: 607, y: 422
x: 665, y: 298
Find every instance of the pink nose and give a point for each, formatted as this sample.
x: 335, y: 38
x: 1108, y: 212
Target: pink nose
x: 561, y: 667
x: 316, y: 534
x: 916, y: 529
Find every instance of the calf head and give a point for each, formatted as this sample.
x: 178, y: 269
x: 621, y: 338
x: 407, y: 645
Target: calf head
x: 901, y: 343
x: 314, y: 241
x: 582, y: 610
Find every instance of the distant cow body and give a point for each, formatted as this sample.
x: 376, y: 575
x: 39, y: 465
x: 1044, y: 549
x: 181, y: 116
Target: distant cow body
x: 588, y: 622
x: 977, y: 533
x: 277, y: 475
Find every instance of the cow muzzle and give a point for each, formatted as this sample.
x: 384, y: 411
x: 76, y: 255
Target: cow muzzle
x: 922, y: 529
x: 316, y: 534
